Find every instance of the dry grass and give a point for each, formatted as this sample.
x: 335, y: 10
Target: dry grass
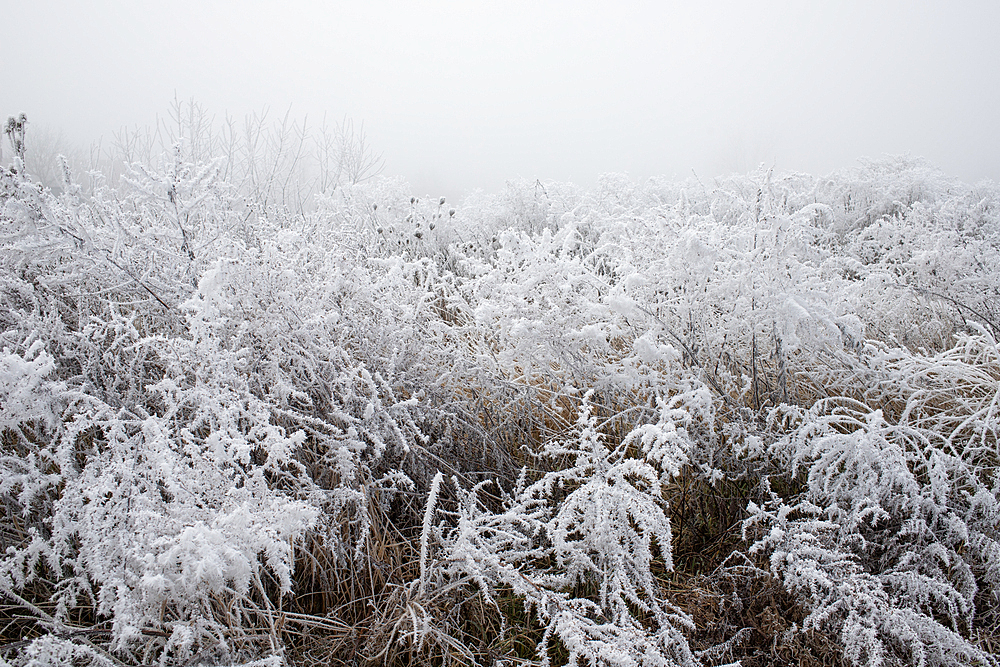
x: 742, y: 613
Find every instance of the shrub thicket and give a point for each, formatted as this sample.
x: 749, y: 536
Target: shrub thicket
x: 665, y: 423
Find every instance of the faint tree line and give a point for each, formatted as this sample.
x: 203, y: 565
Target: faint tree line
x: 271, y: 161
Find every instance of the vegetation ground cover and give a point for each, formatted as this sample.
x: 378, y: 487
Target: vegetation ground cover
x: 259, y: 408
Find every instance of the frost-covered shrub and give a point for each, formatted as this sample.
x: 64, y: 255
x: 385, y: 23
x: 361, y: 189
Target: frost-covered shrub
x: 893, y: 541
x: 157, y: 517
x: 596, y: 524
x: 160, y: 471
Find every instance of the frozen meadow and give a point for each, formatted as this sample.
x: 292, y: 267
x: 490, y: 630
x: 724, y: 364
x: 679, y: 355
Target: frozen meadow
x: 260, y: 406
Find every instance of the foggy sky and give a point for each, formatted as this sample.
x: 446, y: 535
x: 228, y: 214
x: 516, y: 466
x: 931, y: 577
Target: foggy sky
x: 467, y: 94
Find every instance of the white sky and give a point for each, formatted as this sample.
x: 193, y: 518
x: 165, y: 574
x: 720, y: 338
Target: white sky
x: 467, y: 94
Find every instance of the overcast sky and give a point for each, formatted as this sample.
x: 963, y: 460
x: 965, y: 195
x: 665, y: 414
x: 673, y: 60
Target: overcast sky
x: 467, y: 94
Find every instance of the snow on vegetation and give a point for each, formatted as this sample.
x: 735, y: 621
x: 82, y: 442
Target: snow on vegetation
x: 251, y: 419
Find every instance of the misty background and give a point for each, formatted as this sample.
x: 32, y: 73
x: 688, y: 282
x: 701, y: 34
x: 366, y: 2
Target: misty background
x: 465, y: 95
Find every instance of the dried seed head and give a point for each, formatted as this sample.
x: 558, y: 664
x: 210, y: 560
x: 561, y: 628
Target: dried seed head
x: 451, y: 213
x: 441, y: 203
x: 413, y: 200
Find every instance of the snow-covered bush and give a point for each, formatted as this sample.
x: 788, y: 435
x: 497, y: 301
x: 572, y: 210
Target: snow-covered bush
x: 894, y: 539
x: 162, y: 472
x: 578, y: 545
